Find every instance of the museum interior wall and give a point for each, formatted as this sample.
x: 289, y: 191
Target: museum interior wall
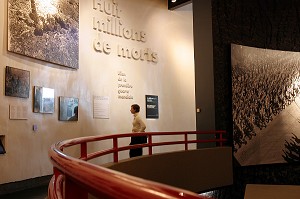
x: 261, y: 24
x: 104, y: 73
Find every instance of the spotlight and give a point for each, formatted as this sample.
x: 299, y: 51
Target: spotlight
x: 173, y: 1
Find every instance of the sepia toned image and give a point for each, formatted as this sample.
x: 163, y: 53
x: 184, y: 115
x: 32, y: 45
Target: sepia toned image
x: 265, y: 105
x: 45, y: 30
x: 17, y: 82
x: 43, y: 100
x: 68, y: 109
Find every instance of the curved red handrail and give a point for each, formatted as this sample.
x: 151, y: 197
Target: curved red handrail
x: 74, y: 177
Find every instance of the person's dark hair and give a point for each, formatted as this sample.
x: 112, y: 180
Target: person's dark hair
x: 76, y: 110
x: 136, y: 107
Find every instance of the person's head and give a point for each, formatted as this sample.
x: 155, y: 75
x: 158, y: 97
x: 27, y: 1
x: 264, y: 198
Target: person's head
x: 135, y: 108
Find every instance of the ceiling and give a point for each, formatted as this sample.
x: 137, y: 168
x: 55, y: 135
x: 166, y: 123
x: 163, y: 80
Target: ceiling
x: 177, y: 4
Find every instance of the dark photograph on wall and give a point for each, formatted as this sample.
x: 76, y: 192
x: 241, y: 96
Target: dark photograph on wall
x: 152, y: 106
x: 17, y: 82
x: 2, y: 149
x: 68, y: 109
x: 45, y: 30
x: 265, y: 105
x: 43, y: 100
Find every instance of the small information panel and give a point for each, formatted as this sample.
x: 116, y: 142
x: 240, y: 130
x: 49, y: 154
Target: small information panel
x: 101, y: 107
x: 152, y: 106
x: 18, y: 112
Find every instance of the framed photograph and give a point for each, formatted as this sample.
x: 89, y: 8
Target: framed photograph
x: 17, y: 82
x: 265, y: 105
x: 2, y: 149
x: 45, y: 30
x: 43, y: 100
x: 152, y: 106
x: 68, y: 109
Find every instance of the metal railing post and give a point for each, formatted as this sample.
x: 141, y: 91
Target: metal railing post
x: 115, y: 146
x: 83, y: 151
x: 221, y: 137
x: 185, y: 142
x: 150, y: 144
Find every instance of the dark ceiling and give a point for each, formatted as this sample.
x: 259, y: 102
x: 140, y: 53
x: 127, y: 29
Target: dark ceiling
x: 177, y: 3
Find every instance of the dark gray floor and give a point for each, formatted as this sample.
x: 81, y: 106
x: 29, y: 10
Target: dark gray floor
x: 35, y: 193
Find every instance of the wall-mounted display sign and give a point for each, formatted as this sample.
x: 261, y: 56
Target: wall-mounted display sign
x: 101, y: 107
x: 152, y: 106
x: 18, y: 112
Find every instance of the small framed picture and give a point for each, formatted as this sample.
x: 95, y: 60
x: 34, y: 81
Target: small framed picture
x: 152, y: 106
x: 68, y: 109
x: 2, y: 149
x: 17, y: 82
x: 43, y: 100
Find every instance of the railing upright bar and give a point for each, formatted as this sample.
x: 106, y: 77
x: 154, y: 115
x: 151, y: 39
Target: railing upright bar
x: 83, y: 147
x: 221, y: 137
x: 115, y: 146
x: 186, y: 141
x: 57, y: 174
x: 150, y: 144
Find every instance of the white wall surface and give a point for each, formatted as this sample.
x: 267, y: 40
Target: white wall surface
x: 168, y: 33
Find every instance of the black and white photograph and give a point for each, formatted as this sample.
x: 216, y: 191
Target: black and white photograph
x: 2, y: 149
x: 17, y: 82
x: 265, y: 105
x: 68, y: 109
x: 45, y: 30
x: 43, y: 100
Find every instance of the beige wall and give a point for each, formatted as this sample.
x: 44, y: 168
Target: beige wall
x: 169, y: 34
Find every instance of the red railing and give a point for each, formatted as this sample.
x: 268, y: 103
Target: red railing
x: 75, y: 178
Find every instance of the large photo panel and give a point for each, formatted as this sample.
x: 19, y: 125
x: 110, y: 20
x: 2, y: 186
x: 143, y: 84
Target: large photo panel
x: 265, y: 105
x: 45, y: 30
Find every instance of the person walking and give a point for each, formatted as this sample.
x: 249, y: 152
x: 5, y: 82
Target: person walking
x: 138, y: 125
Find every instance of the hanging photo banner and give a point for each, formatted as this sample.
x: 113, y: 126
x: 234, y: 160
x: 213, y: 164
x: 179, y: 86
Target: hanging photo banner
x: 152, y: 106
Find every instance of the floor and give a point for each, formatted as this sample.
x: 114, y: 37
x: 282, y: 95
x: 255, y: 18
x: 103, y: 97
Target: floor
x: 36, y: 193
